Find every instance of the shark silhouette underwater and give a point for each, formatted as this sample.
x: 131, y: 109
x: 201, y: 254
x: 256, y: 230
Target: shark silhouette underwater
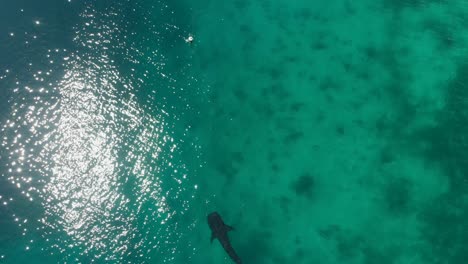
x: 219, y: 230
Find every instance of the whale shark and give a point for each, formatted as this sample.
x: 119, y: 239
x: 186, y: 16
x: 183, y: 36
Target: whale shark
x: 220, y: 231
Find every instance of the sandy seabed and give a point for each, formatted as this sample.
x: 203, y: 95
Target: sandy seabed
x: 338, y: 128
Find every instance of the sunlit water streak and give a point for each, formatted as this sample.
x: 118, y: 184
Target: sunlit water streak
x: 102, y: 166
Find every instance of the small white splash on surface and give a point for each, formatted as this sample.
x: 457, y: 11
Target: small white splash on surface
x: 189, y: 39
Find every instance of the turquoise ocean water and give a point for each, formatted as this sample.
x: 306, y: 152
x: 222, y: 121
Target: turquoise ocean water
x: 326, y: 132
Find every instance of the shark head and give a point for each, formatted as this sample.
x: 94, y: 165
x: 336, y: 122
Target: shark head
x: 217, y: 226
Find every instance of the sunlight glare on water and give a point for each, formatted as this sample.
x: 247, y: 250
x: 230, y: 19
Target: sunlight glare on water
x: 102, y: 164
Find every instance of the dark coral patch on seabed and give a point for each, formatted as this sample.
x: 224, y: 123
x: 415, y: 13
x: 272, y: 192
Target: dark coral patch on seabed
x: 304, y: 185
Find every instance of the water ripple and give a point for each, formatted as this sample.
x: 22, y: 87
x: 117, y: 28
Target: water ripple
x: 104, y: 166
